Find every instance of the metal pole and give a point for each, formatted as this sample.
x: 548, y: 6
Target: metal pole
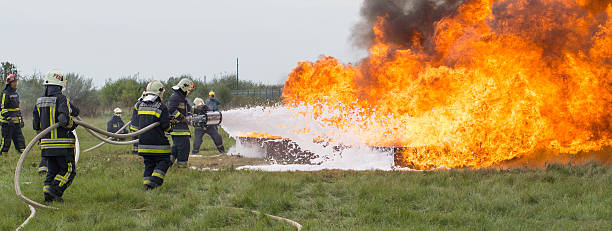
x: 236, y: 73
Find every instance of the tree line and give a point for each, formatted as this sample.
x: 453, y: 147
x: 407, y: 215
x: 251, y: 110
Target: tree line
x: 125, y: 91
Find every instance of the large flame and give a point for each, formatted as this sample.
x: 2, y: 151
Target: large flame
x: 502, y: 79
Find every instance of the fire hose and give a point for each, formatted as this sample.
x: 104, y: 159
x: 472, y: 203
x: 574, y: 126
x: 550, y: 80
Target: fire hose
x: 92, y: 130
x: 102, y: 143
x: 110, y: 140
x: 49, y: 129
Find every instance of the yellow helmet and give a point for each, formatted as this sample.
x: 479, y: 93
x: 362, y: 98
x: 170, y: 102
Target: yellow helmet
x: 211, y: 93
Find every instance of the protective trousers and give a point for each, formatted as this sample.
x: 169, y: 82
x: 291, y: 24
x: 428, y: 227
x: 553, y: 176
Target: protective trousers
x: 180, y: 149
x: 213, y: 133
x: 135, y: 146
x: 155, y: 170
x: 62, y: 170
x: 42, y: 167
x: 12, y: 133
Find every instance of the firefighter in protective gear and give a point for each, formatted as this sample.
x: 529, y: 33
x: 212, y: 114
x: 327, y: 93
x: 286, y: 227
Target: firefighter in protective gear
x: 57, y: 147
x: 213, y: 105
x: 115, y: 123
x: 10, y: 117
x: 153, y: 145
x: 134, y: 120
x: 212, y: 102
x: 199, y: 109
x: 179, y: 108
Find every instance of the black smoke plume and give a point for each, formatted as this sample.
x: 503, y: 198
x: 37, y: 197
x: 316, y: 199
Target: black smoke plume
x: 405, y: 21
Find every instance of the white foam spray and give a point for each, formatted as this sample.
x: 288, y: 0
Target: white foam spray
x: 290, y: 123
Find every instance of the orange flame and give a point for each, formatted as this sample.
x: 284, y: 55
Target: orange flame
x: 259, y: 135
x: 498, y: 86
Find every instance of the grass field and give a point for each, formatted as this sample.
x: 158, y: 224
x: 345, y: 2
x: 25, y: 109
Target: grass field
x: 107, y: 194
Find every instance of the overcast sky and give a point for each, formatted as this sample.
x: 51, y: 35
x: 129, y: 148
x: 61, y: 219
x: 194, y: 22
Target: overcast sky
x: 158, y: 39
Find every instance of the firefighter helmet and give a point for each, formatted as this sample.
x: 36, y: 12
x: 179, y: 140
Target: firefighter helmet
x: 198, y: 101
x: 118, y: 111
x: 155, y: 88
x: 185, y: 84
x: 10, y: 78
x: 211, y: 93
x: 55, y: 77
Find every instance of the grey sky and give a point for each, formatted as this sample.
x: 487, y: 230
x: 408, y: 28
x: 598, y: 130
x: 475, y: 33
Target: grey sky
x: 109, y: 39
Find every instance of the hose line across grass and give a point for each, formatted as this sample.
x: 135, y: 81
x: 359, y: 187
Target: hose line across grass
x: 293, y: 223
x: 118, y: 136
x: 103, y: 142
x: 108, y: 140
x: 93, y: 130
x: 32, y: 214
x: 77, y: 147
x: 17, y: 180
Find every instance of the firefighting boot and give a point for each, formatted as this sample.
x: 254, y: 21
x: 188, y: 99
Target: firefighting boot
x: 150, y: 186
x: 51, y: 195
x: 42, y: 170
x: 182, y: 164
x: 221, y: 149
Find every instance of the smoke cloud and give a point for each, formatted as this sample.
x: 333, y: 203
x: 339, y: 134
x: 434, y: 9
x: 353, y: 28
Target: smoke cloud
x: 405, y: 21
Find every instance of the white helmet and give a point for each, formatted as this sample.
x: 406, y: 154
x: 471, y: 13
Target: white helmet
x: 155, y: 88
x: 185, y: 84
x: 117, y: 111
x: 55, y: 77
x: 198, y: 101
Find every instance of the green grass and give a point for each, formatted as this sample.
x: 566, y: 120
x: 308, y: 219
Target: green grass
x: 107, y: 195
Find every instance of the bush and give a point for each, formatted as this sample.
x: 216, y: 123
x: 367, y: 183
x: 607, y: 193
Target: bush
x: 122, y: 92
x: 82, y: 94
x: 125, y: 91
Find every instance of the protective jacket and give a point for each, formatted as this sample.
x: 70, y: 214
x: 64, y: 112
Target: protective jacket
x: 9, y: 110
x: 178, y: 108
x: 153, y: 142
x: 134, y: 124
x: 114, y: 124
x: 200, y: 110
x: 54, y: 108
x: 213, y: 104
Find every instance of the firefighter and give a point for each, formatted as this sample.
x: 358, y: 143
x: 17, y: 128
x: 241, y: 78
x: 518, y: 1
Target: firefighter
x: 115, y: 123
x: 10, y: 117
x: 134, y: 120
x: 212, y: 102
x: 199, y: 109
x: 178, y: 108
x: 57, y: 147
x: 153, y: 145
x: 213, y: 105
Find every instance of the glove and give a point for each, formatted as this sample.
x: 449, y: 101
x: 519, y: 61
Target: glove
x: 184, y: 120
x: 21, y: 124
